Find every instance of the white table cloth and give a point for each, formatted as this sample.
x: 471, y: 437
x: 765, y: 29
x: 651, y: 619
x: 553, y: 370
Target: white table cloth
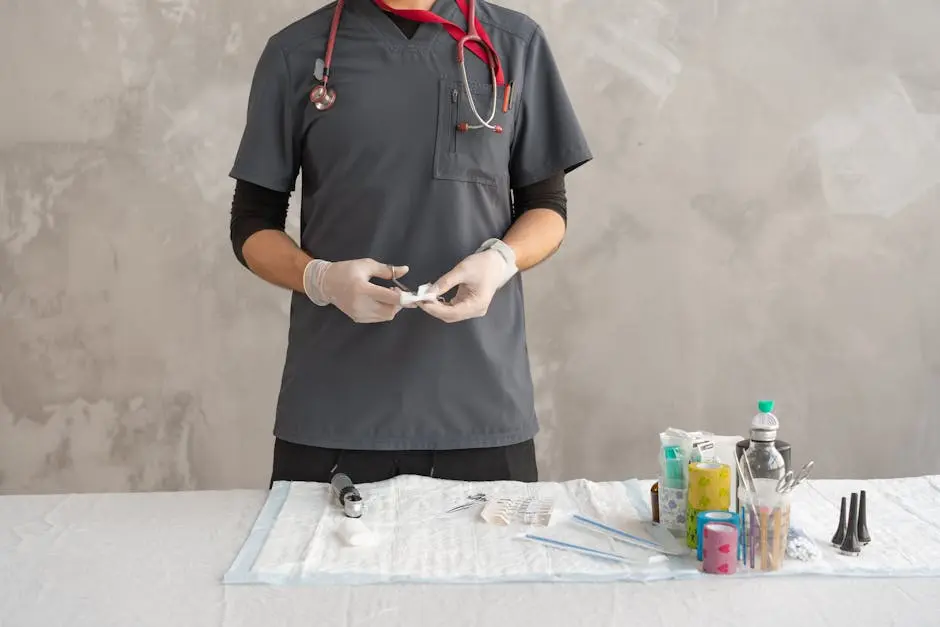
x: 158, y: 560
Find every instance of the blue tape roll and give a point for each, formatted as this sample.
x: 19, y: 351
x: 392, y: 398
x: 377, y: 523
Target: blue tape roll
x: 717, y: 516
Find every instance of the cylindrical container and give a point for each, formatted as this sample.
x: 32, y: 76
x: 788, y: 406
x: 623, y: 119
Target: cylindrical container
x: 709, y: 490
x: 706, y: 517
x: 741, y: 447
x: 765, y: 535
x: 764, y: 461
x: 709, y: 486
x: 720, y: 548
x: 654, y: 501
x: 780, y: 445
x: 672, y: 509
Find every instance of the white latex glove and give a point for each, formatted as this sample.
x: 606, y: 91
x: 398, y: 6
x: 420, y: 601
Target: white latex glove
x: 347, y: 286
x: 477, y: 279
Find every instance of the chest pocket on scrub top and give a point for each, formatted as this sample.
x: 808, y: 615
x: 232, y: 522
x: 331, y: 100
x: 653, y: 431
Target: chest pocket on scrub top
x: 477, y: 155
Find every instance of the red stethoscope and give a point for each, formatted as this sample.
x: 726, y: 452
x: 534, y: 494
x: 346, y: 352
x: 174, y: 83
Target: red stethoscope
x: 475, y: 39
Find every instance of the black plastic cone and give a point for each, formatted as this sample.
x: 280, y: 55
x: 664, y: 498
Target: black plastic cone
x: 850, y: 545
x: 840, y: 532
x: 863, y: 536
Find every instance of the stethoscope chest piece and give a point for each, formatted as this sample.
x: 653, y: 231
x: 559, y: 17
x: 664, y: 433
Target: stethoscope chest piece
x: 322, y: 97
x: 466, y: 127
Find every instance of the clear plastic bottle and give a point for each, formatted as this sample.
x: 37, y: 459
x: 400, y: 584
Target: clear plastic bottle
x: 764, y: 459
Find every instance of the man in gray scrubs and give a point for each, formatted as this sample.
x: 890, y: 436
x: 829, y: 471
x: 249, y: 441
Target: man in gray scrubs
x: 392, y: 188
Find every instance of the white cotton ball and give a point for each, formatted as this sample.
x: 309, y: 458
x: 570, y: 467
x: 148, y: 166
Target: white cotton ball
x: 355, y: 533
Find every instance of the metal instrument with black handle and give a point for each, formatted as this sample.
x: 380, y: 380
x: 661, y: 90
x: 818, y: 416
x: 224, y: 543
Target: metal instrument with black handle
x: 347, y: 495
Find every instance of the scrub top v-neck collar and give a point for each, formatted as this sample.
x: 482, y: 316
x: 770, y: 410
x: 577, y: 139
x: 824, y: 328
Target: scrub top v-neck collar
x: 426, y: 34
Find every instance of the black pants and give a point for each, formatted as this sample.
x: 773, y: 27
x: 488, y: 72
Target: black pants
x: 296, y: 462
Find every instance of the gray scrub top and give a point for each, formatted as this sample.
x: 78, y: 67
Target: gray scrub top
x: 385, y: 174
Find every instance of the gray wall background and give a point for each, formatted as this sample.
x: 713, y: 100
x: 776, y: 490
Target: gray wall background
x: 761, y: 220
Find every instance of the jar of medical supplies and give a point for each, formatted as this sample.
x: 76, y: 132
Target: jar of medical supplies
x: 762, y: 459
x: 765, y: 525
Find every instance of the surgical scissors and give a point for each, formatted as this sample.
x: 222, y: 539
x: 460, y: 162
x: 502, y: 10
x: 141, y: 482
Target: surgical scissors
x: 788, y: 481
x: 398, y: 283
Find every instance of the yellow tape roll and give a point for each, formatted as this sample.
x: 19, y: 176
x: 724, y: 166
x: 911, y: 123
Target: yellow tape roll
x: 709, y: 486
x: 709, y: 491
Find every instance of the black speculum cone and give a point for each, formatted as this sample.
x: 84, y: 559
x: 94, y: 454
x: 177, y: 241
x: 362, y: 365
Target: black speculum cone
x: 863, y: 535
x: 850, y: 545
x: 840, y: 532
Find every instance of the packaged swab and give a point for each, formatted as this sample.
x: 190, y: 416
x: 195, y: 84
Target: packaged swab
x: 525, y: 511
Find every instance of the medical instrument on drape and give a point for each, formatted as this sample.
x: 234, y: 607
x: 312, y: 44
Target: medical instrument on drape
x: 474, y: 39
x: 747, y: 482
x: 472, y: 500
x: 624, y: 537
x: 527, y: 510
x: 852, y: 534
x: 850, y: 544
x: 347, y: 495
x: 789, y: 481
x: 863, y: 536
x: 582, y: 549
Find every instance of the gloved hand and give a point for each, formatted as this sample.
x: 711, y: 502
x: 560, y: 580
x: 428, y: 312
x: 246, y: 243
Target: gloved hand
x: 477, y: 279
x: 346, y: 284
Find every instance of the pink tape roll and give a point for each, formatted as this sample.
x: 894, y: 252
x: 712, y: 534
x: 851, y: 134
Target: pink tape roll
x: 720, y: 548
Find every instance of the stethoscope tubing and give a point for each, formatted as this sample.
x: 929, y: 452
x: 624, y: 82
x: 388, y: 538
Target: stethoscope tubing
x: 323, y: 97
x: 461, y: 61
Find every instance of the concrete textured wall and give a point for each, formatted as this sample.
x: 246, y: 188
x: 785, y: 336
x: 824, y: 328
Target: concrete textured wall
x: 761, y: 221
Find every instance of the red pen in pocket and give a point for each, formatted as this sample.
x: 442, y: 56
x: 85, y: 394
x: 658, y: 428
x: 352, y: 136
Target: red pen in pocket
x: 507, y: 97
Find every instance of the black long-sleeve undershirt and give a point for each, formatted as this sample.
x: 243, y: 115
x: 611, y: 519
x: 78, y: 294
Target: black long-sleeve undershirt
x: 256, y: 208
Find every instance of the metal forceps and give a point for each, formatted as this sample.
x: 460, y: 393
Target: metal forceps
x: 472, y: 500
x: 788, y: 481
